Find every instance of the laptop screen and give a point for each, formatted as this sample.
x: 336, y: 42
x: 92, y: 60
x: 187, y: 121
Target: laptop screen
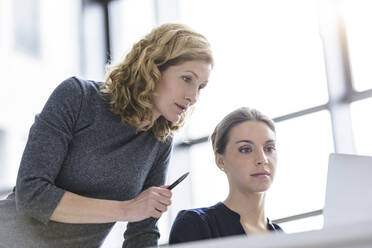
x: 349, y: 190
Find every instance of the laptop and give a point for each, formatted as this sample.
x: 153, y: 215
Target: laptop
x: 349, y: 190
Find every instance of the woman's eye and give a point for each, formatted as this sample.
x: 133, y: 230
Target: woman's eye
x: 202, y: 86
x: 186, y: 79
x: 245, y: 149
x: 270, y: 149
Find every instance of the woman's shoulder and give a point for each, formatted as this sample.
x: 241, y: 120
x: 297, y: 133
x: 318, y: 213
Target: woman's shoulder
x: 78, y: 98
x: 77, y: 83
x: 74, y: 87
x: 202, y: 213
x: 193, y: 224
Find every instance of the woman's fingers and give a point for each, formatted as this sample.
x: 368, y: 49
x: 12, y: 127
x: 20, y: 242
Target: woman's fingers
x: 156, y: 214
x: 163, y: 191
x: 162, y: 195
x: 150, y: 203
x: 161, y: 207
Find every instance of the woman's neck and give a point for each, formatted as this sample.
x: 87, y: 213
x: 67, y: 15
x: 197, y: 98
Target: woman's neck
x: 147, y: 124
x: 251, y: 208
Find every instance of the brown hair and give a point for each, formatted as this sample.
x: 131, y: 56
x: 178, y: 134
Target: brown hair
x: 220, y: 135
x: 131, y: 83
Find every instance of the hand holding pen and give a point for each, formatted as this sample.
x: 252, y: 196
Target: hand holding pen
x: 152, y: 202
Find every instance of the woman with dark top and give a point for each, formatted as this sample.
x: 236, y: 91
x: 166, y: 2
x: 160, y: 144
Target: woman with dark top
x: 244, y: 147
x: 98, y: 152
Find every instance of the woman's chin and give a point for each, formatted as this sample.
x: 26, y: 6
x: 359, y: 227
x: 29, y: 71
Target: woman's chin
x: 173, y: 118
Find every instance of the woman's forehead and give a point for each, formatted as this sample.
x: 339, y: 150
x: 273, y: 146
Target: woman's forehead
x: 251, y: 130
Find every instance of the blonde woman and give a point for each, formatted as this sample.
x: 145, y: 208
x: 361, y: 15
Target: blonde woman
x: 98, y: 152
x: 244, y: 145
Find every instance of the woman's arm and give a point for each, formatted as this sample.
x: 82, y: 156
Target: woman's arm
x: 74, y: 208
x: 47, y: 146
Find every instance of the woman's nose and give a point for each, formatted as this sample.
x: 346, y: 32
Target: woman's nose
x: 261, y: 158
x: 192, y: 95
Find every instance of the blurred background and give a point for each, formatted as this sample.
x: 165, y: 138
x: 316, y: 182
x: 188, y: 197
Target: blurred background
x: 305, y: 63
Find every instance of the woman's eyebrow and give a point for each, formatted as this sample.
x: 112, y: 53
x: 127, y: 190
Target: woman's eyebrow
x: 196, y: 75
x: 245, y: 141
x: 251, y: 142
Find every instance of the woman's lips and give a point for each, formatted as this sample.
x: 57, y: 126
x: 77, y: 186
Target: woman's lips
x: 261, y: 174
x: 181, y: 108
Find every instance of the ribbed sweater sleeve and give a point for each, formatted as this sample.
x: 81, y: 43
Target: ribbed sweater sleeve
x: 36, y: 193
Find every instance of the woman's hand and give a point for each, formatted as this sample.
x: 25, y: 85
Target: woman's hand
x: 152, y: 202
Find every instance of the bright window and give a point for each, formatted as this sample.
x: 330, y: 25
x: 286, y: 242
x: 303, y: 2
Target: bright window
x: 209, y: 184
x: 304, y: 144
x: 268, y: 55
x: 362, y: 123
x: 26, y: 21
x: 130, y: 20
x: 40, y: 47
x: 358, y: 19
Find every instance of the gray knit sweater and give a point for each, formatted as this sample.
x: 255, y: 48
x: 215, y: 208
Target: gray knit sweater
x: 76, y: 144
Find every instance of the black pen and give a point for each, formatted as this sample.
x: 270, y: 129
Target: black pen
x: 178, y: 181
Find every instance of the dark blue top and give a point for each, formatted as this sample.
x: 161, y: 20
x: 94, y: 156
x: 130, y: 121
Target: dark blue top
x: 207, y: 223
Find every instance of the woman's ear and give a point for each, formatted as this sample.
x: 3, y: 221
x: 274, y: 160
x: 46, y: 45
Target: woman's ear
x: 219, y: 161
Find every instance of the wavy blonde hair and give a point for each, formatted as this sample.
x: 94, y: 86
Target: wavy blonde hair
x: 131, y: 83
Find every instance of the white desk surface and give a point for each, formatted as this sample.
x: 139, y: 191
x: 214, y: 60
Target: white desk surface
x: 351, y: 236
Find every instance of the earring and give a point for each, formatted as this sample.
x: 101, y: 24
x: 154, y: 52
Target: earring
x: 222, y: 169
